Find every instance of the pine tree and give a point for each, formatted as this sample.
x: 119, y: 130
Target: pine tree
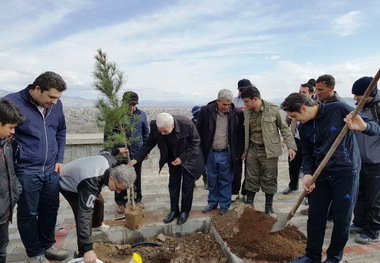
x: 112, y: 110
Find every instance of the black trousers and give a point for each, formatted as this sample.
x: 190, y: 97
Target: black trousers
x: 122, y: 197
x: 179, y: 176
x: 367, y: 208
x: 237, y: 169
x: 339, y: 191
x: 97, y: 215
x: 4, y: 239
x: 295, y: 167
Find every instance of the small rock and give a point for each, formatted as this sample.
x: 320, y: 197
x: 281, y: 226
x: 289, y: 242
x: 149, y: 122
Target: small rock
x: 223, y: 260
x: 161, y: 237
x: 177, y: 248
x: 235, y: 230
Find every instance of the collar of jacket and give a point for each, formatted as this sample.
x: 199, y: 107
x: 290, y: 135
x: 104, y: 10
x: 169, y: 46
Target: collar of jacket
x: 373, y: 102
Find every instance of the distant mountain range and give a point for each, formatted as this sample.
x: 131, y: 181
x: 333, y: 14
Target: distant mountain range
x: 79, y: 102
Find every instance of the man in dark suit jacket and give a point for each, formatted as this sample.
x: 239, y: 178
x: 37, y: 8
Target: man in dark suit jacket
x: 179, y: 143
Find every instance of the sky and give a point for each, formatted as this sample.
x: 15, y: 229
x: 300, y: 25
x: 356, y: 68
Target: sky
x: 186, y: 50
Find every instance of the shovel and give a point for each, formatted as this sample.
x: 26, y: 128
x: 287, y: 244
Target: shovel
x: 284, y: 219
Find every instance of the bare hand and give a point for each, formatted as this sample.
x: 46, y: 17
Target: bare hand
x: 90, y: 257
x: 243, y: 156
x: 176, y: 162
x: 132, y: 162
x: 306, y: 180
x: 356, y: 123
x: 58, y: 168
x: 292, y: 154
x: 124, y: 151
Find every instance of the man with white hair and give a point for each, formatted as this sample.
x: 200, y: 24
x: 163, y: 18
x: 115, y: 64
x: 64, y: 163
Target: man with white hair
x: 220, y: 126
x: 81, y: 183
x: 178, y: 140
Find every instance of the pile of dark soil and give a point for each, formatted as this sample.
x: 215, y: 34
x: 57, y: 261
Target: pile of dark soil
x: 193, y: 248
x: 247, y: 233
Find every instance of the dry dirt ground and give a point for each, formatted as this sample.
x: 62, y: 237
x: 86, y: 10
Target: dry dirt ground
x: 246, y: 231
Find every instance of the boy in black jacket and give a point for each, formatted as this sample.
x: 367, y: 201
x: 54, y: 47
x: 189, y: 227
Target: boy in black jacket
x: 338, y: 182
x: 10, y: 188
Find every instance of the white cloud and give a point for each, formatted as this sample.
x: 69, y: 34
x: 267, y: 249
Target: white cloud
x: 347, y: 24
x: 186, y: 51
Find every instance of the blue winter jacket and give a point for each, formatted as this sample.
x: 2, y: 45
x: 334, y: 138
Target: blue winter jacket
x: 318, y: 135
x: 40, y: 141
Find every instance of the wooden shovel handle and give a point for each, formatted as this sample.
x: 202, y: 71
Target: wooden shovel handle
x: 335, y: 144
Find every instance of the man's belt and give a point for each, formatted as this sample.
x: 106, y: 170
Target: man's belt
x: 219, y: 150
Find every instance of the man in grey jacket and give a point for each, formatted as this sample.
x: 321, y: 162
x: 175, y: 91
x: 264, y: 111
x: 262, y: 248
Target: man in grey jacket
x: 81, y: 184
x: 367, y: 209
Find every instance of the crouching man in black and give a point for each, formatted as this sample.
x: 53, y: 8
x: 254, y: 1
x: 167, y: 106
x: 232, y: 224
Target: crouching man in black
x: 81, y: 184
x: 179, y: 143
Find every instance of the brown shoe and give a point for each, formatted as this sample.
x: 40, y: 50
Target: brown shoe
x: 120, y: 209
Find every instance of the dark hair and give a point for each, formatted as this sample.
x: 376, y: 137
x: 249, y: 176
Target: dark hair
x: 310, y: 85
x: 327, y: 79
x: 10, y: 113
x: 49, y: 80
x: 251, y: 93
x: 294, y: 101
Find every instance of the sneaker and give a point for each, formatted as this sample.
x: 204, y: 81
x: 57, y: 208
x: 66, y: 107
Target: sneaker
x: 304, y: 212
x: 356, y: 229
x: 139, y: 204
x: 55, y: 253
x: 120, y: 209
x: 102, y: 228
x: 234, y: 198
x: 304, y: 259
x: 37, y: 259
x: 364, y: 239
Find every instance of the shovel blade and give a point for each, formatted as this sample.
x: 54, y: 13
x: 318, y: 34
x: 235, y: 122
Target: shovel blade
x: 280, y: 224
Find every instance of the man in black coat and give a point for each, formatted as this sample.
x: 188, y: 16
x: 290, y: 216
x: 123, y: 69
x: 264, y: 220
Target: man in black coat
x: 178, y: 140
x: 220, y: 127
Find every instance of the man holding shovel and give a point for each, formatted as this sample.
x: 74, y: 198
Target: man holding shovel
x: 338, y: 182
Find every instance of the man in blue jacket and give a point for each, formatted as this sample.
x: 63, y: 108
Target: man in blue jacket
x: 338, y: 182
x: 136, y: 135
x: 39, y: 148
x: 10, y: 188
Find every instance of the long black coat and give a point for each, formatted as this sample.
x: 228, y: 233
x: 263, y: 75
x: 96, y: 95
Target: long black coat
x: 185, y: 145
x: 206, y: 125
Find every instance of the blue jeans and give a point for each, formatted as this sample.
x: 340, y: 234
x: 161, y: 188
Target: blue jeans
x: 3, y: 241
x: 37, y: 211
x: 219, y: 179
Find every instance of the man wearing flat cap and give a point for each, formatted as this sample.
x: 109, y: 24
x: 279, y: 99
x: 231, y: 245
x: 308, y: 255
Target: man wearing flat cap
x: 367, y: 209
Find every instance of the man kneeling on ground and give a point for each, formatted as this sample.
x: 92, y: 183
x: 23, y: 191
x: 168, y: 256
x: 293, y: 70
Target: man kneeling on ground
x: 81, y: 184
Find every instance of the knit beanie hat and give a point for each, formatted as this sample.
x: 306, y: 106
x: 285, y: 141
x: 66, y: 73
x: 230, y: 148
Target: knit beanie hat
x: 195, y: 111
x: 360, y: 86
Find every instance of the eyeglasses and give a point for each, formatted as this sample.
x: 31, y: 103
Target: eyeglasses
x: 241, y: 90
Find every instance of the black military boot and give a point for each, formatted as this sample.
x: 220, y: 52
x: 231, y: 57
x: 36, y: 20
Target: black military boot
x: 269, y: 204
x: 250, y: 198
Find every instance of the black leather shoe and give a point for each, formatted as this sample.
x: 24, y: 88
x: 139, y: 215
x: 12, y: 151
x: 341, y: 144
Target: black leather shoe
x: 170, y: 217
x: 208, y: 208
x: 288, y: 191
x: 182, y: 218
